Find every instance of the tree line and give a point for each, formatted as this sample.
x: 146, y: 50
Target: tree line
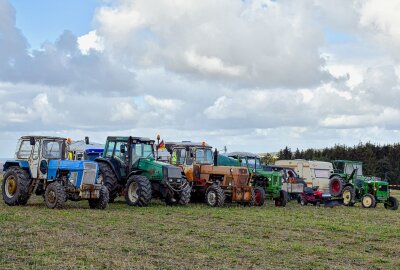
x: 381, y: 161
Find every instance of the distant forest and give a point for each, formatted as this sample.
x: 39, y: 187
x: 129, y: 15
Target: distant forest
x: 382, y: 161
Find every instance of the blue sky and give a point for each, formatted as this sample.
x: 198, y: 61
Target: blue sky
x: 250, y: 75
x: 44, y: 20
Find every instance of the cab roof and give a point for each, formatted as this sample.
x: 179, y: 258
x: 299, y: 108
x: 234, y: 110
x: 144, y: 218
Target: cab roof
x: 347, y: 161
x: 243, y: 154
x: 189, y: 144
x: 126, y: 138
x: 42, y: 137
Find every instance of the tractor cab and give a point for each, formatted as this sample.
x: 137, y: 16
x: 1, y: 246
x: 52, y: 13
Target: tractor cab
x: 129, y: 167
x: 36, y: 153
x: 127, y: 153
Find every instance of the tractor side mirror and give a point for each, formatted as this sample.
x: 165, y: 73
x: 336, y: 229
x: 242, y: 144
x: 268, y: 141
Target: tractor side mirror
x: 32, y: 140
x: 122, y: 149
x: 87, y: 140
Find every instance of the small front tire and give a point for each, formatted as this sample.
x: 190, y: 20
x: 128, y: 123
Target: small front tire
x: 55, y: 196
x: 102, y: 201
x: 138, y: 191
x: 215, y: 196
x: 368, y: 201
x: 392, y: 203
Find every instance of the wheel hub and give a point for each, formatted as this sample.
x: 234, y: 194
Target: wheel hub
x: 212, y: 198
x: 133, y: 192
x: 10, y: 186
x: 367, y: 201
x: 51, y: 196
x: 258, y: 196
x: 346, y: 197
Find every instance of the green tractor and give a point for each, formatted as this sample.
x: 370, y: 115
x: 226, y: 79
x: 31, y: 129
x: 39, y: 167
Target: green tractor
x: 349, y: 183
x: 128, y: 167
x: 267, y: 184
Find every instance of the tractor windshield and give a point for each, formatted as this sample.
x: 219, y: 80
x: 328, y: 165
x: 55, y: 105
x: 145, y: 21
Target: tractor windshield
x: 53, y: 149
x: 359, y: 169
x: 253, y: 162
x: 339, y: 167
x: 204, y: 156
x: 141, y: 150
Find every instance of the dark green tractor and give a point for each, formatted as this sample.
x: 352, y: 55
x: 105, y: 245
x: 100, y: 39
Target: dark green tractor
x: 267, y: 184
x: 128, y: 167
x: 349, y: 183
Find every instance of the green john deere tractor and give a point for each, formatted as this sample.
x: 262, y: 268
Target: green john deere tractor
x: 266, y: 184
x: 128, y: 167
x: 348, y: 182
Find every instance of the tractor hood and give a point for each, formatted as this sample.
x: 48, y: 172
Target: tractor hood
x: 81, y: 172
x: 157, y: 170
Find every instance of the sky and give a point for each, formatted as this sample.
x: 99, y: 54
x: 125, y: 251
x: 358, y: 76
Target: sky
x: 249, y: 75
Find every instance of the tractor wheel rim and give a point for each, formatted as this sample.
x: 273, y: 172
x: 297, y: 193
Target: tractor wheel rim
x: 10, y: 186
x: 346, y: 197
x: 133, y: 192
x: 51, y: 196
x: 367, y: 201
x: 257, y: 196
x: 335, y: 187
x: 212, y: 198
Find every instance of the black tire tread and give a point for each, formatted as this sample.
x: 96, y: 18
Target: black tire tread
x: 61, y: 195
x: 109, y: 180
x: 23, y: 182
x: 102, y: 201
x: 145, y: 190
x: 220, y: 194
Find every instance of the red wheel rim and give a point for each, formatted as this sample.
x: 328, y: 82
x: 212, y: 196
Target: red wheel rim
x: 258, y: 196
x: 336, y: 187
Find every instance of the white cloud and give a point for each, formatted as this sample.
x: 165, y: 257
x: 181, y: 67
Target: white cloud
x: 90, y: 41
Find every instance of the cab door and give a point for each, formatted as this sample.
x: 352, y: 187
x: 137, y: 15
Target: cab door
x: 34, y: 160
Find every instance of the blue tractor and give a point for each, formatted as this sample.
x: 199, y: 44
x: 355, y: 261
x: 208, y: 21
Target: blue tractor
x: 41, y: 167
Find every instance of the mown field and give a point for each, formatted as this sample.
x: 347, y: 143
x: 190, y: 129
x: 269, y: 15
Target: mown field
x: 198, y: 237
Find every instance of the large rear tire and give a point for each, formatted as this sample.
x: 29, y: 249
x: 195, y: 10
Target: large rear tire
x: 55, y: 196
x: 15, y: 186
x: 368, y: 201
x: 109, y: 179
x: 138, y: 191
x: 102, y: 201
x: 392, y: 203
x: 215, y: 196
x: 336, y: 185
x: 349, y: 196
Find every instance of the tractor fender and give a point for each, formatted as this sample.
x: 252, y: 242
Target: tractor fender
x: 135, y: 172
x: 17, y: 163
x: 108, y: 162
x: 335, y: 174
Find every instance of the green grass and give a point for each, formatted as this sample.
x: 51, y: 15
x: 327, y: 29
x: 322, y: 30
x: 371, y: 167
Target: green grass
x: 198, y: 237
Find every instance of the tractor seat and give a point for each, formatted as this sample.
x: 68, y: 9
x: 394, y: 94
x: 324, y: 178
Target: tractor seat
x: 308, y: 191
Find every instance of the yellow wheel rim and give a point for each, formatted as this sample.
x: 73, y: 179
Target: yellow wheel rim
x: 346, y: 197
x: 367, y: 201
x: 10, y: 186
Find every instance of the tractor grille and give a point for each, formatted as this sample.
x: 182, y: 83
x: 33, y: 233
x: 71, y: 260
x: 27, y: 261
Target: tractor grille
x: 89, y: 166
x: 89, y: 173
x: 243, y: 180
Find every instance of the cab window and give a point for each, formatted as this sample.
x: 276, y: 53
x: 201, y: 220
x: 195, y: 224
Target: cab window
x: 110, y: 149
x: 178, y: 156
x: 52, y: 149
x: 204, y: 156
x: 24, y: 150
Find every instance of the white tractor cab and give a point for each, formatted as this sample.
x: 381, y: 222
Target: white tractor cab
x: 314, y: 173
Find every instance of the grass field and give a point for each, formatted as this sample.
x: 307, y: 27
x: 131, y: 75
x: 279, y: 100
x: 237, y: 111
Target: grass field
x: 198, y: 237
